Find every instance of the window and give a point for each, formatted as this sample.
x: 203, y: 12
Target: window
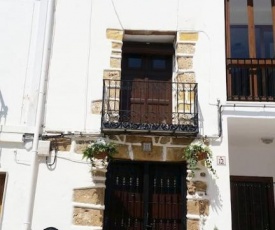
x: 240, y: 45
x: 250, y: 50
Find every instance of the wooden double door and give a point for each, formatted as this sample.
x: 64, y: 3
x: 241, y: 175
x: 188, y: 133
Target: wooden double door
x: 145, y: 196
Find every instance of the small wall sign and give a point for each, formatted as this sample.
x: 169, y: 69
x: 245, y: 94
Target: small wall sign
x: 147, y: 146
x: 221, y: 160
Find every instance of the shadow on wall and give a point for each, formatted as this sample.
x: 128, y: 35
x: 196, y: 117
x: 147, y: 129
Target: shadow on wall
x: 3, y: 110
x: 216, y: 200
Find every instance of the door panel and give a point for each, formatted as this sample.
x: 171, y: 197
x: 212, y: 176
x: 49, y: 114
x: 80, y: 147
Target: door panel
x: 165, y: 197
x: 149, y: 99
x: 143, y: 196
x: 252, y: 203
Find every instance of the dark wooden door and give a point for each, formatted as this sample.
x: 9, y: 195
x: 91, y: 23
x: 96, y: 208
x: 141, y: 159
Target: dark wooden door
x: 146, y: 92
x: 252, y: 203
x: 145, y: 196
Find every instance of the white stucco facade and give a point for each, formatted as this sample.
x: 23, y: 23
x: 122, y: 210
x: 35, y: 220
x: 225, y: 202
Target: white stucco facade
x: 79, y: 54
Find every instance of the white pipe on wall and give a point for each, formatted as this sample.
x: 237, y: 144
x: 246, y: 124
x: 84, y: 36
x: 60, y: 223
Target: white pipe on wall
x: 50, y: 6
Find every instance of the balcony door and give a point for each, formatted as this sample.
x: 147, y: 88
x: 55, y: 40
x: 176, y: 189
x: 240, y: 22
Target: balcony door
x: 145, y: 196
x: 146, y: 89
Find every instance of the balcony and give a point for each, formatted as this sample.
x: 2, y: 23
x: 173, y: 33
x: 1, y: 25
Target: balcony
x: 146, y: 106
x: 251, y: 79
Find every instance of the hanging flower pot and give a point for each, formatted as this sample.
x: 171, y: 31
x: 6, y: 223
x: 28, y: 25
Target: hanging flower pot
x: 196, y: 152
x: 201, y: 156
x: 100, y: 149
x: 101, y: 155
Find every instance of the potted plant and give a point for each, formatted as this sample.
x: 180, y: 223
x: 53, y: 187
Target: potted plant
x: 100, y: 149
x: 196, y: 152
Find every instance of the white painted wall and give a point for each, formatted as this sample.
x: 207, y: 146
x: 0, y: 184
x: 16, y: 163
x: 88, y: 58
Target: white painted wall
x: 249, y: 156
x: 17, y: 44
x: 54, y: 204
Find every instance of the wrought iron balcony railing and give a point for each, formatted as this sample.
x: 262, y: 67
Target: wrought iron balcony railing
x: 149, y: 106
x: 250, y: 79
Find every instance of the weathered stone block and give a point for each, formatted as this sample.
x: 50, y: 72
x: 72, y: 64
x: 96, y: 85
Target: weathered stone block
x: 113, y: 105
x: 193, y: 224
x: 115, y: 62
x: 165, y: 140
x: 191, y: 188
x: 116, y: 53
x: 181, y: 141
x: 116, y: 45
x: 188, y: 36
x: 174, y: 154
x: 198, y: 207
x: 181, y: 96
x: 196, y: 186
x: 91, y: 195
x: 200, y: 186
x: 193, y: 207
x: 114, y: 137
x: 96, y: 106
x: 187, y: 108
x: 185, y: 48
x: 114, y: 34
x: 186, y: 78
x: 62, y: 144
x: 122, y: 152
x: 81, y: 146
x: 98, y: 173
x: 137, y: 139
x: 156, y: 139
x: 114, y: 93
x: 87, y: 217
x: 183, y: 107
x: 185, y: 62
x: 111, y: 74
x: 204, y: 207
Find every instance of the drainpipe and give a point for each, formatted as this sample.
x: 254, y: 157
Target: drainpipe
x: 50, y: 5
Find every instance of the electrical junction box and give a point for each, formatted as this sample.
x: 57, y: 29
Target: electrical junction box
x: 44, y: 148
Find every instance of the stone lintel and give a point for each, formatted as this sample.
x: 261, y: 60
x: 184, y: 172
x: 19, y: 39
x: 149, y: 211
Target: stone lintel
x: 181, y: 141
x: 137, y: 139
x: 188, y: 36
x: 155, y: 155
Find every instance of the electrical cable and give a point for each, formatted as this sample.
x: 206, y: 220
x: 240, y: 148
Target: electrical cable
x: 28, y: 59
x: 55, y: 155
x: 114, y: 7
x: 75, y: 161
x: 88, y: 66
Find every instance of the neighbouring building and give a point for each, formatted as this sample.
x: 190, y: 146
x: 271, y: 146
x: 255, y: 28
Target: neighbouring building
x: 153, y: 77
